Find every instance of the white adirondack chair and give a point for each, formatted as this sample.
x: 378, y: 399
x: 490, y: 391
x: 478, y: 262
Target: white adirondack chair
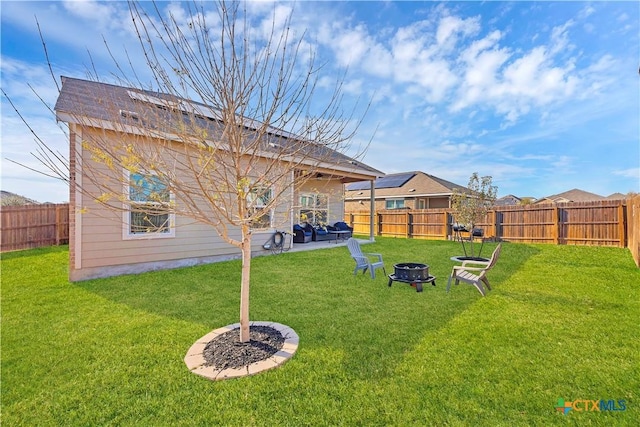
x: 476, y: 276
x: 365, y: 261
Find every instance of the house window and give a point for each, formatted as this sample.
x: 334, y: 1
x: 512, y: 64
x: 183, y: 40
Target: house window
x: 314, y: 208
x: 257, y: 200
x: 422, y: 204
x: 394, y: 204
x: 149, y: 207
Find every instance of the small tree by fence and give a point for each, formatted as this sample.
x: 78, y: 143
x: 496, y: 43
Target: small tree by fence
x: 602, y: 223
x: 32, y: 226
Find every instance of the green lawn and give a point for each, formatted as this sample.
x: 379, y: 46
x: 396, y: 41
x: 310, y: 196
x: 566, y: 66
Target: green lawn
x: 561, y: 322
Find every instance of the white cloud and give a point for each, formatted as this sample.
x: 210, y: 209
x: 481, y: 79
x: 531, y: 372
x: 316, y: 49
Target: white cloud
x: 353, y: 87
x: 430, y: 60
x: 417, y: 63
x: 587, y: 11
x: 560, y: 39
x: 276, y: 21
x: 513, y: 85
x: 450, y: 26
x: 379, y: 61
x: 352, y: 45
x: 104, y: 18
x: 629, y: 173
x: 482, y: 60
x: 89, y: 9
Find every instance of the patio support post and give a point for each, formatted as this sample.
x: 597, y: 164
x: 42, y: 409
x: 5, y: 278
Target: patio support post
x: 292, y: 205
x: 372, y: 209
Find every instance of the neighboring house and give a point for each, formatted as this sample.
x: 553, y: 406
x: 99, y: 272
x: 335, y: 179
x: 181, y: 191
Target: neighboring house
x: 106, y: 241
x: 508, y: 200
x: 616, y: 196
x: 574, y: 195
x: 410, y: 190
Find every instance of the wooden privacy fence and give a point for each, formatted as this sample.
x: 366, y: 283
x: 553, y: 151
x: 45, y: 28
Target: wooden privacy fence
x: 607, y: 223
x: 32, y: 226
x: 603, y: 223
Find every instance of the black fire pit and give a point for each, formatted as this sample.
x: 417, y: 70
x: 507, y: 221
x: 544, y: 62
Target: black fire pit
x: 412, y: 273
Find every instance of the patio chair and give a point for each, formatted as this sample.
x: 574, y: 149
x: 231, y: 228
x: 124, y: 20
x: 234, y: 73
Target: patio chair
x: 364, y: 261
x: 475, y: 276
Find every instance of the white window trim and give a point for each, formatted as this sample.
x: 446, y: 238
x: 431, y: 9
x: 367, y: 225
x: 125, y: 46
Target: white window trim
x: 126, y: 218
x: 313, y: 195
x: 395, y: 199
x: 271, y: 212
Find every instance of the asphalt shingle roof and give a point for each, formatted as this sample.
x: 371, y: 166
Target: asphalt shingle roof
x: 419, y: 183
x: 102, y: 102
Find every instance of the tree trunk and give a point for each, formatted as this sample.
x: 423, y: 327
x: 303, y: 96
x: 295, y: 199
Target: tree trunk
x: 244, y: 289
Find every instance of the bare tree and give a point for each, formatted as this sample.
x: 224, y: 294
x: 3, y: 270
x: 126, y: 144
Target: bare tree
x: 471, y: 206
x: 227, y: 127
x: 10, y: 199
x: 526, y: 201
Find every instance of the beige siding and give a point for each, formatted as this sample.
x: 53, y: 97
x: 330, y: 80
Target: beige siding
x: 103, y: 246
x: 438, y: 203
x: 409, y: 203
x: 332, y: 188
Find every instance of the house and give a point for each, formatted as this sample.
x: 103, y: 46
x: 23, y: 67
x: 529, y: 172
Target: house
x: 109, y: 229
x: 411, y: 190
x: 616, y: 196
x: 575, y: 195
x: 508, y: 200
x: 511, y: 200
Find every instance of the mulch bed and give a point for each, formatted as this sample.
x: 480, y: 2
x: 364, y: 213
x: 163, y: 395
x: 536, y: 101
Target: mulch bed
x: 226, y: 350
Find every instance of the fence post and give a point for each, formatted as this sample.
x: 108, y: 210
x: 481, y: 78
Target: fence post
x: 557, y: 225
x: 409, y: 221
x: 58, y: 225
x: 622, y: 226
x: 379, y: 221
x: 446, y: 226
x: 492, y: 223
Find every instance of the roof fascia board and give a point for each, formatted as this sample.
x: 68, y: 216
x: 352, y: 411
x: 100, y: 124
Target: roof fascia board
x: 365, y: 196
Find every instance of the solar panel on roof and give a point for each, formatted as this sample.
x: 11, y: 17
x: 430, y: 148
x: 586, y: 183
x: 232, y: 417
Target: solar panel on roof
x: 358, y: 186
x: 392, y: 181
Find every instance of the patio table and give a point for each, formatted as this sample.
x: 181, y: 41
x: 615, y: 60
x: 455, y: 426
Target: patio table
x: 340, y: 234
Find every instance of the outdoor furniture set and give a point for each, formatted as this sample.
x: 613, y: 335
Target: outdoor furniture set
x: 305, y: 233
x: 472, y: 272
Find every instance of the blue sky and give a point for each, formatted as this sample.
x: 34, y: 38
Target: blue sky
x: 542, y: 96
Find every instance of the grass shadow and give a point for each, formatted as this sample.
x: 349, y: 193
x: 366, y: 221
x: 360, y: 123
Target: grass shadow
x: 369, y: 354
x: 366, y: 324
